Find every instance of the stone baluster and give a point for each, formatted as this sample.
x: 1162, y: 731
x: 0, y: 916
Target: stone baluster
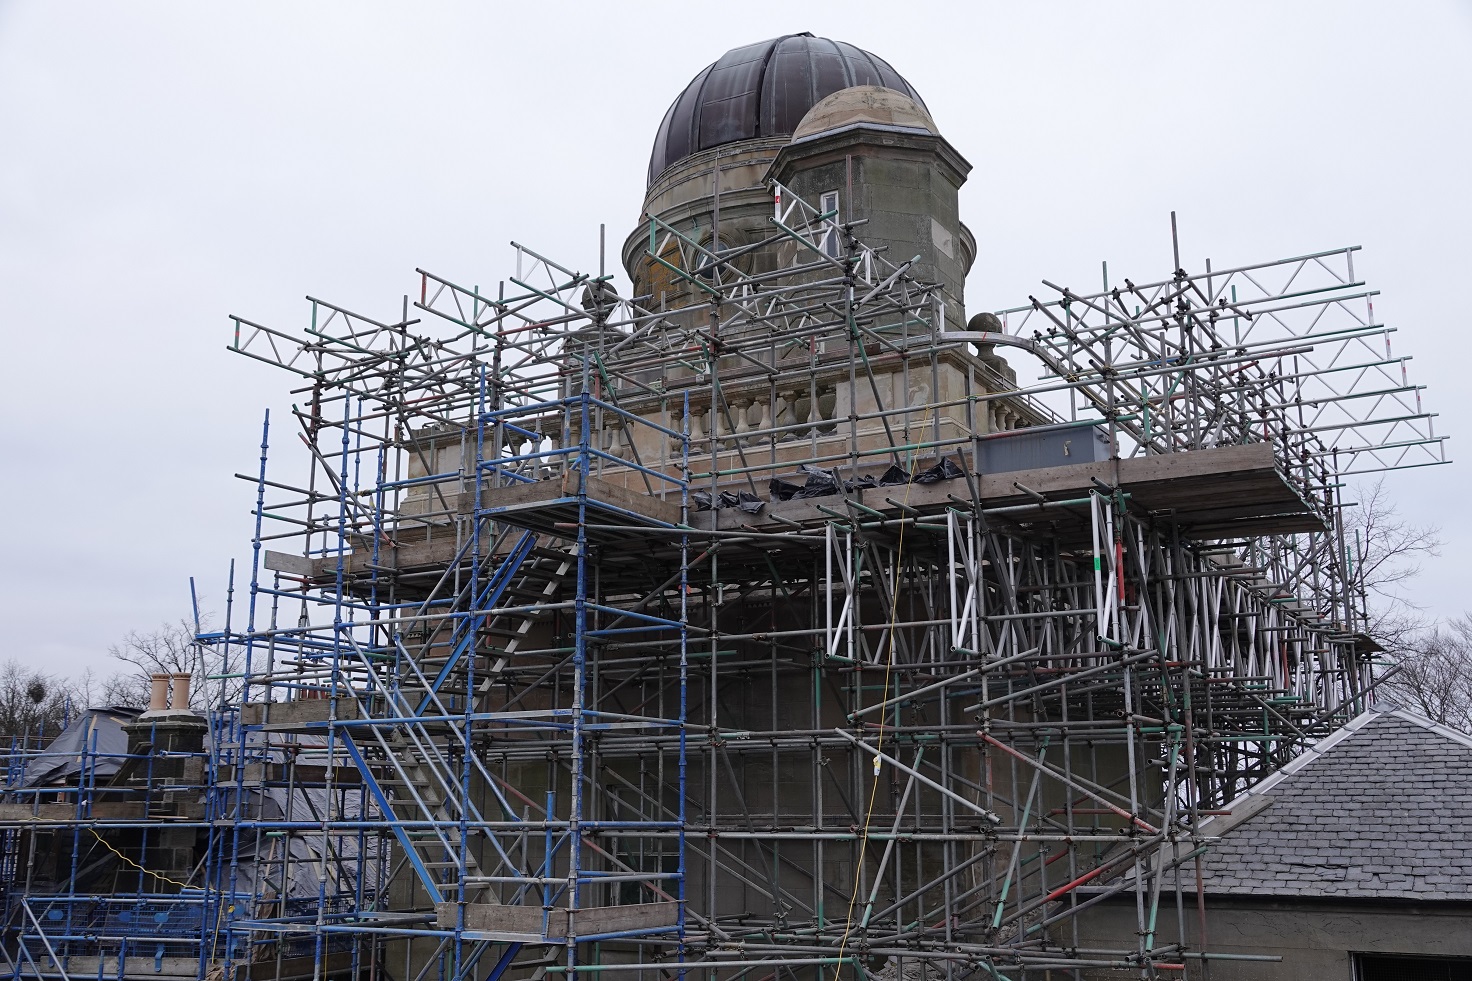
x: 617, y: 440
x: 827, y: 403
x: 786, y: 412
x: 715, y: 424
x: 723, y: 418
x: 739, y: 425
x: 699, y: 424
x: 673, y: 420
x: 756, y: 417
x: 802, y: 411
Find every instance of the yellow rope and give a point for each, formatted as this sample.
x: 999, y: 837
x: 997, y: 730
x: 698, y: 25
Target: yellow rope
x: 894, y: 600
x: 156, y: 875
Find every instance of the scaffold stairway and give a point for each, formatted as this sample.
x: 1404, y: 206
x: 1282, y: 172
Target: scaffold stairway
x: 417, y: 742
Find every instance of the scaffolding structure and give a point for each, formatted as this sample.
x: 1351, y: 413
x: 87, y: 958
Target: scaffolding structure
x: 84, y: 827
x: 736, y: 631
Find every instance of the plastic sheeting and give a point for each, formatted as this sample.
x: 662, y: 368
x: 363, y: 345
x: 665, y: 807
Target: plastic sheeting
x: 747, y: 502
x: 95, y: 738
x: 311, y: 856
x: 823, y: 483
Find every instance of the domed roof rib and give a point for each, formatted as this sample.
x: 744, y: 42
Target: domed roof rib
x: 884, y: 75
x: 676, y: 138
x: 763, y: 90
x: 730, y: 96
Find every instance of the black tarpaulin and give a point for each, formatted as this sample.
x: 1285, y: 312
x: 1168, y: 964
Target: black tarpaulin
x: 744, y: 500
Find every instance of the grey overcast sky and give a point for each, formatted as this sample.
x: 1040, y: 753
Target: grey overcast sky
x: 163, y: 165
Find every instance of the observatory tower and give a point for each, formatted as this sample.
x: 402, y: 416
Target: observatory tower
x: 834, y: 124
x: 758, y: 623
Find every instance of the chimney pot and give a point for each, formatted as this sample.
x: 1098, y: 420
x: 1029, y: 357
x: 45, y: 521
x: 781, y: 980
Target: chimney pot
x: 180, y: 700
x: 158, y: 694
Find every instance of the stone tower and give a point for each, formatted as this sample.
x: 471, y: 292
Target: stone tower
x: 834, y: 124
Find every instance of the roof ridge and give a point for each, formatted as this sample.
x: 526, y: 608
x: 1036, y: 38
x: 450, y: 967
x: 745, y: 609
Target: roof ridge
x: 1317, y: 752
x: 1304, y: 759
x: 1416, y: 718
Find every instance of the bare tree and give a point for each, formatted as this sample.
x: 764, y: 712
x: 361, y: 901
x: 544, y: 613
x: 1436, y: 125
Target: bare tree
x: 33, y: 704
x: 1432, y: 664
x: 1435, y: 679
x: 168, y: 649
x: 1387, y: 551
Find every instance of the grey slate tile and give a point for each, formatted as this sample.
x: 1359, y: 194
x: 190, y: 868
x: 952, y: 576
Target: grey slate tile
x: 1386, y: 812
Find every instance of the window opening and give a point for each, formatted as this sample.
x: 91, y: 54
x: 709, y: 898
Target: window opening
x: 1399, y: 967
x: 829, y: 202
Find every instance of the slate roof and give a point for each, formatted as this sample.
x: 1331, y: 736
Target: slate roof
x: 1381, y: 809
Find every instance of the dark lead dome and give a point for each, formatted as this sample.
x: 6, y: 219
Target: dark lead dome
x: 762, y: 90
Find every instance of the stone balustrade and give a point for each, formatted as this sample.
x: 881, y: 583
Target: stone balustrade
x: 779, y: 422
